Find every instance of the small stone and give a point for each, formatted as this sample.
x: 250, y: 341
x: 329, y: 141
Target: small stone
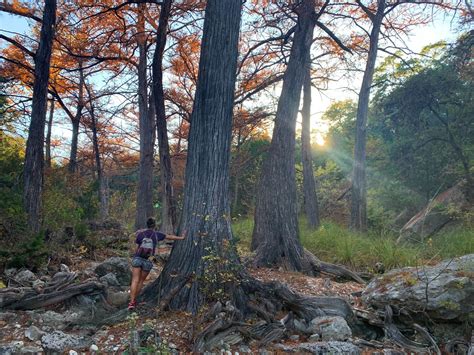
x: 58, y: 341
x: 94, y: 348
x: 18, y: 326
x: 6, y: 316
x: 45, y: 278
x: 38, y: 284
x: 314, y: 337
x: 11, y: 348
x: 119, y: 266
x: 32, y: 350
x: 34, y: 333
x: 25, y: 277
x: 172, y: 346
x: 109, y: 279
x: 295, y: 337
x: 300, y: 326
x: 111, y: 337
x: 330, y: 328
x: 244, y: 349
x: 64, y: 268
x: 73, y: 352
x: 10, y: 272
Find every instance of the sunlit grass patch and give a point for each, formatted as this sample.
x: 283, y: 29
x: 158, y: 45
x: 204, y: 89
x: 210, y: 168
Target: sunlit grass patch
x: 337, y: 244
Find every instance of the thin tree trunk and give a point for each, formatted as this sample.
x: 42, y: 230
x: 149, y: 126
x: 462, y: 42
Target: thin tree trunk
x: 459, y: 152
x: 276, y: 236
x: 48, y: 134
x: 103, y: 183
x: 309, y: 185
x: 235, y: 200
x: 145, y: 179
x: 34, y: 157
x: 76, y: 122
x: 168, y: 203
x: 359, y: 181
x: 206, y: 210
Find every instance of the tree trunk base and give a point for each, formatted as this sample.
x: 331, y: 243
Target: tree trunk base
x: 312, y: 266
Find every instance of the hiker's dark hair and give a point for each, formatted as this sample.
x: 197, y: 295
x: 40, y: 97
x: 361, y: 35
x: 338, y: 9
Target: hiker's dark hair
x: 150, y: 222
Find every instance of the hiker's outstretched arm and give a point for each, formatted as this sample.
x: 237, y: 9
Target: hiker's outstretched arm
x: 173, y: 237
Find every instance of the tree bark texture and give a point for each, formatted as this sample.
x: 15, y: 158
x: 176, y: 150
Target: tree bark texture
x: 76, y: 122
x: 276, y: 236
x: 309, y: 185
x: 359, y: 180
x: 48, y: 134
x: 206, y: 210
x: 103, y: 199
x: 34, y: 157
x: 168, y: 202
x: 146, y: 127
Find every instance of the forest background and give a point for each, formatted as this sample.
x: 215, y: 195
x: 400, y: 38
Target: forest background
x: 102, y: 164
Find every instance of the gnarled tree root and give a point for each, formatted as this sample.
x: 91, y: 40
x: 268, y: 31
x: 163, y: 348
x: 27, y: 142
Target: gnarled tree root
x: 314, y: 266
x: 254, y: 300
x: 59, y: 289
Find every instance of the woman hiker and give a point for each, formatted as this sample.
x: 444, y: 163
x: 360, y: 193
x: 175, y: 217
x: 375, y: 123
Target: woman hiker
x: 147, y: 240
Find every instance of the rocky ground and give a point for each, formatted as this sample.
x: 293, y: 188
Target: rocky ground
x: 71, y: 326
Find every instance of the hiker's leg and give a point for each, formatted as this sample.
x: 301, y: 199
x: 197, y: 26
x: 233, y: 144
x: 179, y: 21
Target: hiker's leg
x: 134, y: 287
x: 143, y: 276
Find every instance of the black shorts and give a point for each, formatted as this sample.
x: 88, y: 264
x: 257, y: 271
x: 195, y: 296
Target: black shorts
x: 144, y: 264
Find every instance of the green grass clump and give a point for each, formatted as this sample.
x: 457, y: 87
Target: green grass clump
x: 242, y: 232
x: 454, y: 242
x: 336, y: 244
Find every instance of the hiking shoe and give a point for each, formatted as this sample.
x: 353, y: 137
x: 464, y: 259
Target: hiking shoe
x: 132, y: 305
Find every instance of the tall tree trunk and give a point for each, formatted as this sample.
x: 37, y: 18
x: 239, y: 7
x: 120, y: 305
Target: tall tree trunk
x: 76, y: 122
x: 103, y: 184
x: 206, y: 210
x: 276, y: 236
x: 309, y: 185
x: 48, y: 134
x: 236, y: 176
x: 359, y: 180
x: 168, y: 203
x: 34, y: 157
x: 145, y: 179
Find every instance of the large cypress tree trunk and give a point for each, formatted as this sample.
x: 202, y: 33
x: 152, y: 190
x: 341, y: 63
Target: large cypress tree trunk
x: 34, y: 157
x: 309, y: 185
x: 206, y: 220
x: 76, y: 122
x: 359, y: 180
x: 168, y: 203
x: 275, y: 235
x: 146, y: 126
x: 48, y: 134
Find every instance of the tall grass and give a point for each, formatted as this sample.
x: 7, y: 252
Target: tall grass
x: 336, y: 244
